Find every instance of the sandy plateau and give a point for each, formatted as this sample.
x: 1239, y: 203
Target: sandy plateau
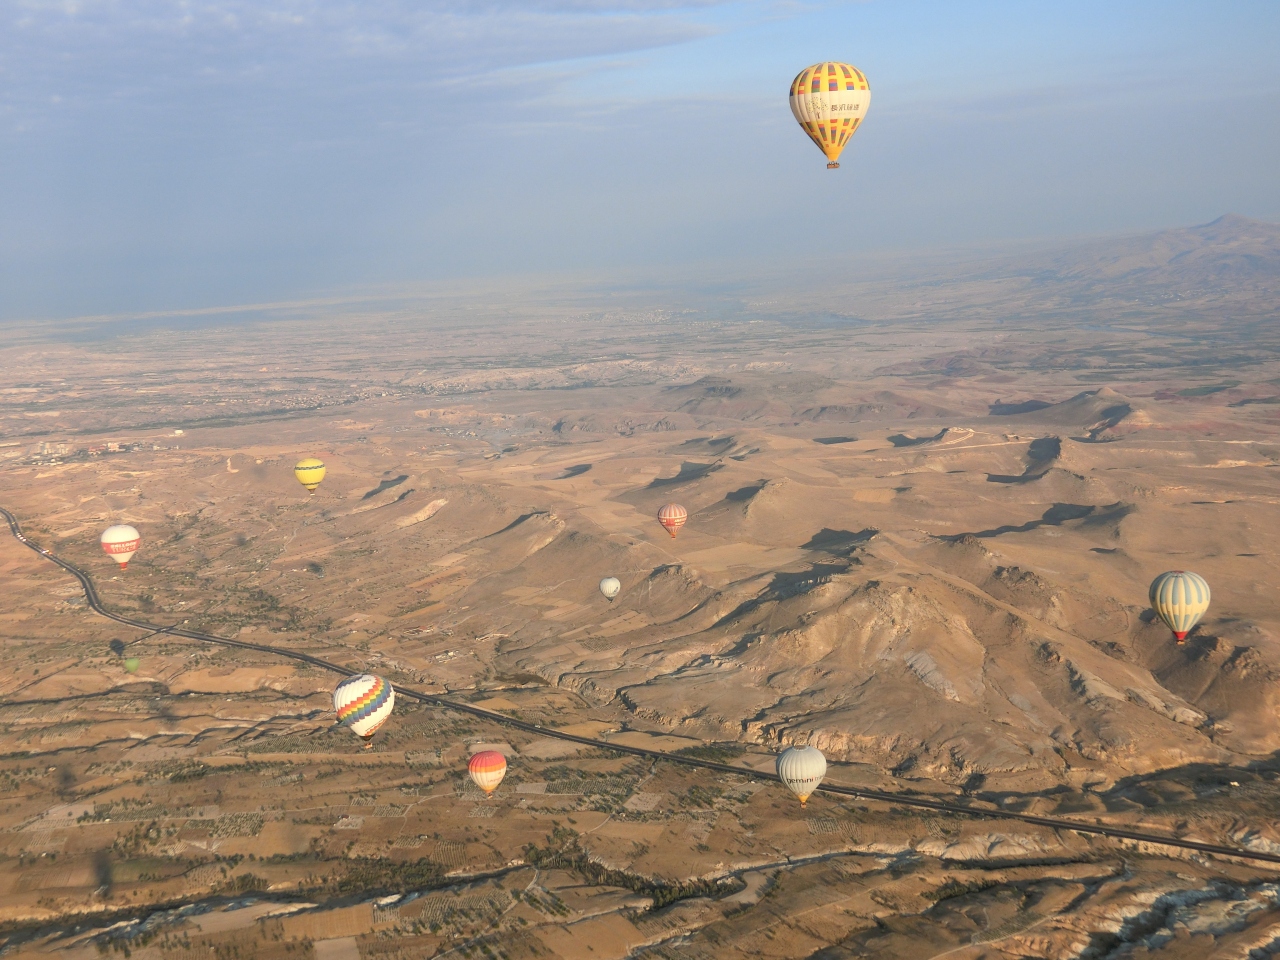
x: 923, y: 516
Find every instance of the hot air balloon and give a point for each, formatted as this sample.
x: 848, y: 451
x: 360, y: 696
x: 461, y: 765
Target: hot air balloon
x: 1180, y: 598
x: 829, y: 100
x: 487, y: 768
x: 309, y: 473
x: 801, y: 769
x: 673, y: 517
x: 610, y: 587
x: 120, y: 542
x: 132, y: 664
x: 363, y: 704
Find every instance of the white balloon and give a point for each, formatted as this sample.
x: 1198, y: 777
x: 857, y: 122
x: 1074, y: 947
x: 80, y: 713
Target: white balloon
x: 610, y: 587
x: 801, y: 770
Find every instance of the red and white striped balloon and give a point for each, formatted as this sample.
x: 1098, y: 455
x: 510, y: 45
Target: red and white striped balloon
x: 673, y: 517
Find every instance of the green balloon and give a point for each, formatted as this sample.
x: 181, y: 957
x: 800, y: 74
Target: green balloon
x: 132, y: 664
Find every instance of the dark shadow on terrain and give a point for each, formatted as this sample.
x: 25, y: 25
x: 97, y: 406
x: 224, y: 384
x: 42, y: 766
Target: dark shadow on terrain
x: 141, y: 688
x: 784, y: 586
x: 1191, y: 783
x: 1249, y: 400
x: 743, y: 494
x: 839, y: 542
x: 386, y: 485
x: 517, y: 521
x: 832, y: 440
x: 1208, y: 389
x: 689, y: 472
x: 1055, y: 516
x: 715, y: 444
x: 710, y: 387
x: 102, y: 872
x: 1013, y: 409
x: 1167, y: 790
x: 577, y: 470
x: 902, y: 440
x: 1041, y: 454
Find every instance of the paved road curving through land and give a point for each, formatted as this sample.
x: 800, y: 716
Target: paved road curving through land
x: 902, y: 799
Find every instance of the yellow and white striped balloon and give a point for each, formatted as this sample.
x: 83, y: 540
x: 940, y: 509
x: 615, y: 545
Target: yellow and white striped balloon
x: 1180, y: 598
x: 829, y: 100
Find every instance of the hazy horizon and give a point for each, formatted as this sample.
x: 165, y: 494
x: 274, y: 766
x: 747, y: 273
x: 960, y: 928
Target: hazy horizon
x: 182, y: 157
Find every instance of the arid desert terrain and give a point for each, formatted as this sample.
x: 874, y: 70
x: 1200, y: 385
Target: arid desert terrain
x: 924, y: 505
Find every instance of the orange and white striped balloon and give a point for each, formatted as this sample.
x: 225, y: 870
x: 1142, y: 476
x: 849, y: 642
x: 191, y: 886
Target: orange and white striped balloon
x: 673, y: 517
x: 487, y: 768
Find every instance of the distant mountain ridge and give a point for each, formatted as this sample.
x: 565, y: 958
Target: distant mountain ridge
x: 1227, y: 252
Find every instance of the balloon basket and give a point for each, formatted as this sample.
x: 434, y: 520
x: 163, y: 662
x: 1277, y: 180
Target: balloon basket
x: 833, y: 165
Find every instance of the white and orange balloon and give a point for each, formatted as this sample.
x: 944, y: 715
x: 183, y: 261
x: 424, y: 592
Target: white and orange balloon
x: 120, y: 542
x: 487, y: 768
x: 829, y: 100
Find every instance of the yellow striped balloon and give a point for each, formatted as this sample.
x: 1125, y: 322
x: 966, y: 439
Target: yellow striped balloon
x: 829, y: 100
x: 309, y: 473
x: 1180, y: 598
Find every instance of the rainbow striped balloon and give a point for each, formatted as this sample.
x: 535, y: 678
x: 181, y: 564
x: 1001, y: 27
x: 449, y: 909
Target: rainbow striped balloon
x: 363, y: 704
x: 487, y: 768
x: 1180, y: 598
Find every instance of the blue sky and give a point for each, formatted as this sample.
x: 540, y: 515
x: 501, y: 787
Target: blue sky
x: 164, y: 154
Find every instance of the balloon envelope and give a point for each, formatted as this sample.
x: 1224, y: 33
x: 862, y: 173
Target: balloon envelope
x: 363, y: 704
x: 487, y: 768
x: 309, y: 473
x: 801, y: 769
x: 1180, y: 598
x: 673, y: 517
x: 132, y: 664
x: 829, y: 101
x: 120, y: 542
x: 610, y: 587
